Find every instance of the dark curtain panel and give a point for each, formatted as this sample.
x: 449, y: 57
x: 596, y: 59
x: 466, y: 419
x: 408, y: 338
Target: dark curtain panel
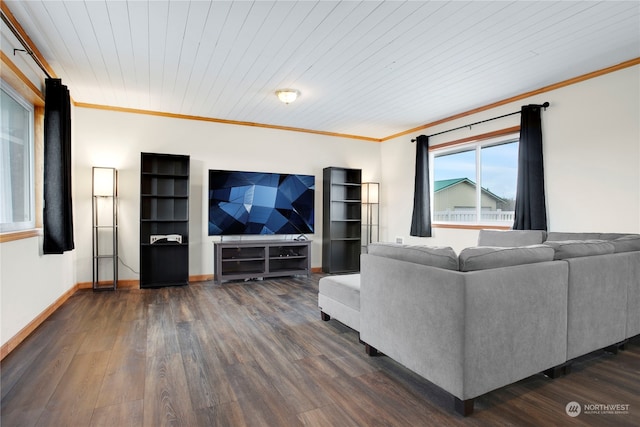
x: 421, y: 218
x: 531, y: 210
x: 57, y: 215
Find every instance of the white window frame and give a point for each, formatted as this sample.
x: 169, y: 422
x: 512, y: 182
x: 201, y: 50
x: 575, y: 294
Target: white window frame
x: 477, y: 146
x: 30, y: 223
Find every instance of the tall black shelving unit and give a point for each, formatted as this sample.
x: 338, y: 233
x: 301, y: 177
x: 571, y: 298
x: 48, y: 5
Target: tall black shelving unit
x: 164, y: 220
x: 341, y: 220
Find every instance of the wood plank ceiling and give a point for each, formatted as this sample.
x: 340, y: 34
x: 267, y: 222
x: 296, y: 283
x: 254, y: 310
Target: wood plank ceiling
x: 366, y: 68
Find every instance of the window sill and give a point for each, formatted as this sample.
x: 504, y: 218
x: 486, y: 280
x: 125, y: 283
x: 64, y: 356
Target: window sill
x: 19, y: 235
x: 473, y: 226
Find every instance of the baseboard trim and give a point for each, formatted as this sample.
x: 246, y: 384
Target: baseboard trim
x: 122, y: 284
x: 201, y: 278
x: 15, y: 341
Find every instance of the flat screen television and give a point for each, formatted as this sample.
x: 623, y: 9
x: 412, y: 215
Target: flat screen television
x: 245, y: 203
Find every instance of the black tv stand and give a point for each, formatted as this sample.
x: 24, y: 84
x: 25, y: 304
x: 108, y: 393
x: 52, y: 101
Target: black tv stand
x: 255, y: 259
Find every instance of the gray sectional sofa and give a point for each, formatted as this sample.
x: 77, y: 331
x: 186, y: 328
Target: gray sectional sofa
x: 520, y: 303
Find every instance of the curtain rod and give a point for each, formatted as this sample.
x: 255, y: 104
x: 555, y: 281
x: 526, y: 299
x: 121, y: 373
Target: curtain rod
x: 545, y: 105
x: 25, y: 45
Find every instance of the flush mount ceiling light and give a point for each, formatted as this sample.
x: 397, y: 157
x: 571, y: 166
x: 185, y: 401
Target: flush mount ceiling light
x: 287, y: 95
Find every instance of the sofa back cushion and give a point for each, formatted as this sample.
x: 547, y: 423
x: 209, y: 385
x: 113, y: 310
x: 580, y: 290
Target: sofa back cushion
x: 435, y: 256
x: 557, y: 236
x: 629, y: 243
x: 561, y: 236
x: 579, y: 248
x: 612, y: 236
x: 511, y: 238
x: 485, y: 257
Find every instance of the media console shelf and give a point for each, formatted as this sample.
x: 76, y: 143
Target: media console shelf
x: 251, y: 259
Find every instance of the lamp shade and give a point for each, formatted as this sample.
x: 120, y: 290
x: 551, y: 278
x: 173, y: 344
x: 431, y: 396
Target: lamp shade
x: 104, y: 181
x: 370, y: 192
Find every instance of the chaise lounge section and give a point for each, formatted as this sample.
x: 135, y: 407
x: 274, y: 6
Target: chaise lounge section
x: 339, y: 297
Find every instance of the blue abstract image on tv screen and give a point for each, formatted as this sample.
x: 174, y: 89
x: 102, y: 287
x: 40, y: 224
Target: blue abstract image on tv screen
x: 260, y: 203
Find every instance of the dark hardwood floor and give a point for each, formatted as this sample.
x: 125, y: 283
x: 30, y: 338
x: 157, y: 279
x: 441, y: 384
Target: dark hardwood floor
x: 257, y: 354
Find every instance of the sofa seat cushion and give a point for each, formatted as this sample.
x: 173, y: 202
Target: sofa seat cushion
x: 628, y: 243
x: 434, y: 256
x: 511, y: 238
x: 342, y: 288
x: 580, y: 248
x: 486, y: 257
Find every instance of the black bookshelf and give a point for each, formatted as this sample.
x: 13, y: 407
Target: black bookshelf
x: 341, y: 223
x: 164, y: 220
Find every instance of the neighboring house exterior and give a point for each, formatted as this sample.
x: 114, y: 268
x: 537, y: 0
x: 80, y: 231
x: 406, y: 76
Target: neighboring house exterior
x: 455, y: 200
x: 460, y: 194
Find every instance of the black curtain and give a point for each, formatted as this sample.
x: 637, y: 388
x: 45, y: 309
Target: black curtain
x: 531, y: 210
x: 421, y: 218
x: 57, y: 214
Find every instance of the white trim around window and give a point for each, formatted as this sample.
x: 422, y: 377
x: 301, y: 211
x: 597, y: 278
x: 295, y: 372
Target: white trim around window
x: 456, y: 200
x: 17, y: 183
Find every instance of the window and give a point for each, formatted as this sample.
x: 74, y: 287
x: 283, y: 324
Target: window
x: 475, y: 184
x: 16, y: 151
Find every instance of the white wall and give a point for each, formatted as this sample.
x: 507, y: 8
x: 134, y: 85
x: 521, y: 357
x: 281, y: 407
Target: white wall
x: 591, y: 135
x: 29, y: 281
x: 109, y: 138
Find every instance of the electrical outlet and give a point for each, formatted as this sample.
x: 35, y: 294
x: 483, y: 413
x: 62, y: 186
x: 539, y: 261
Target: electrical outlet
x: 400, y: 240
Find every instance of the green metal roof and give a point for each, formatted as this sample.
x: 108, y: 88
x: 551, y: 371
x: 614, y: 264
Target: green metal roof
x: 444, y: 183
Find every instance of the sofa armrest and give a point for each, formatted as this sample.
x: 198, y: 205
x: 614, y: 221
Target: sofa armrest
x: 468, y: 333
x: 414, y: 314
x: 633, y: 296
x: 515, y: 324
x: 598, y: 301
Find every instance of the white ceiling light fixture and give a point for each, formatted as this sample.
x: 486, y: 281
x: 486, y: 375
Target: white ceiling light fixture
x: 287, y: 95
